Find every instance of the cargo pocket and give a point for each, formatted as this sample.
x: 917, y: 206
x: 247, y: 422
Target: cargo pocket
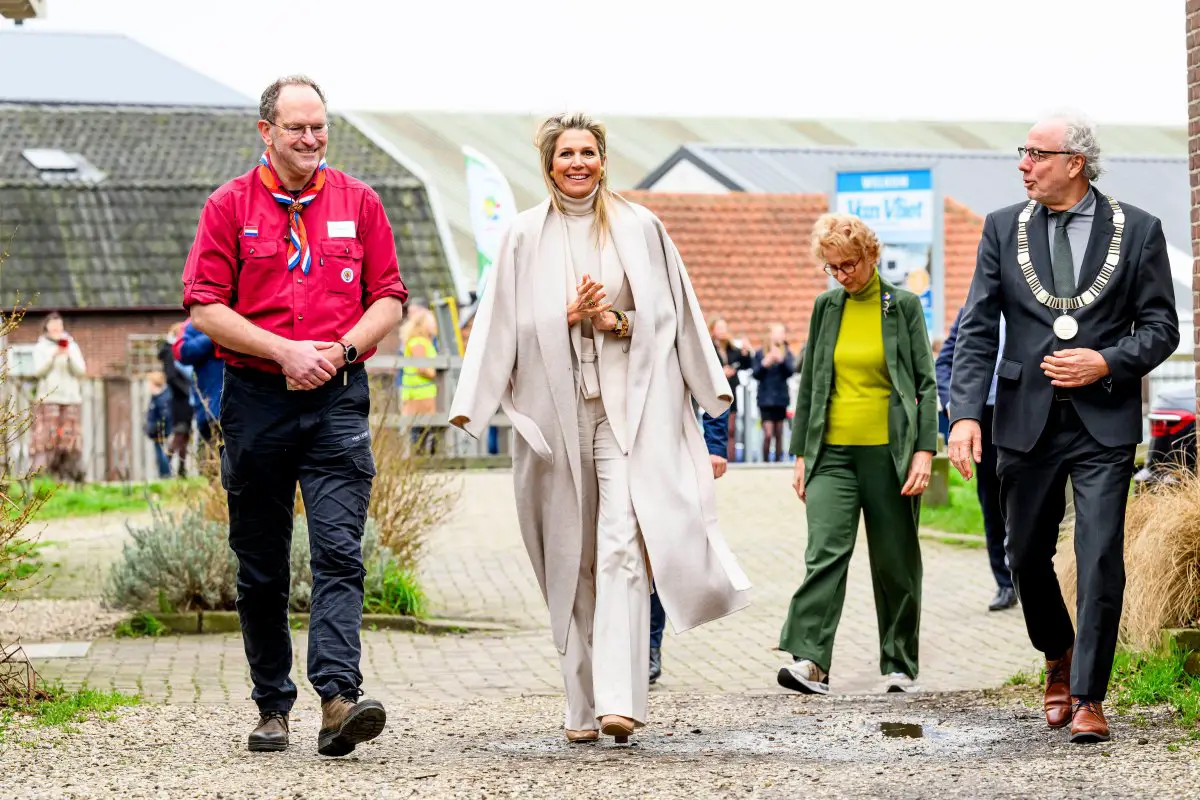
x: 229, y: 479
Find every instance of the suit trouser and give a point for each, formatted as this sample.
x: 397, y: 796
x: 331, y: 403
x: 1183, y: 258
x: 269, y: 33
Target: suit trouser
x: 847, y: 481
x: 987, y: 489
x: 606, y: 666
x: 1033, y: 491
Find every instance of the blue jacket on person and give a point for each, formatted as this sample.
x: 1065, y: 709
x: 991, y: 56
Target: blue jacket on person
x: 158, y: 416
x: 196, y: 350
x: 716, y: 433
x: 945, y: 361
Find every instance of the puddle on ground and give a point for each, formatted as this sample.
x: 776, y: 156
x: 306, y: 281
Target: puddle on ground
x: 901, y: 730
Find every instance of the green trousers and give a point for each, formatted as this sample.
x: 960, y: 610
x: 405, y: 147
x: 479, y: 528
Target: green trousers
x: 848, y: 480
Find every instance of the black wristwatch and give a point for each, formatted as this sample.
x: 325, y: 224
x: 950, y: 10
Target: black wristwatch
x: 349, y: 351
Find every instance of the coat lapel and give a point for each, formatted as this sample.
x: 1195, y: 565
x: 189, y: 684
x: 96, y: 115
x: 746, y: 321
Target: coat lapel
x: 1098, y: 241
x: 891, y: 326
x: 550, y: 321
x: 632, y: 240
x: 1039, y: 253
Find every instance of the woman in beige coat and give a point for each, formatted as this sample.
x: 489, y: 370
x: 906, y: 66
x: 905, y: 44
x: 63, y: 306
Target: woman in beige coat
x: 590, y: 338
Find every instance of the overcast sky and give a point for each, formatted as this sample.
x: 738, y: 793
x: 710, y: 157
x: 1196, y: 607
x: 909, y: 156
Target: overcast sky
x: 1118, y: 61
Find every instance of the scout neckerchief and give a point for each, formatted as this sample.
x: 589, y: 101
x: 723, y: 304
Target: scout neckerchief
x: 299, y: 252
x: 1066, y: 326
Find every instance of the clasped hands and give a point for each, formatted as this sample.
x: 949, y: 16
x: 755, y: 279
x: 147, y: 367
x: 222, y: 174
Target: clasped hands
x: 1066, y: 369
x: 588, y: 305
x: 309, y: 364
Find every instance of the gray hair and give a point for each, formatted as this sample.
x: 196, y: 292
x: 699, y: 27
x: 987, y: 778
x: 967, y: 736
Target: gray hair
x: 1079, y: 136
x: 270, y: 95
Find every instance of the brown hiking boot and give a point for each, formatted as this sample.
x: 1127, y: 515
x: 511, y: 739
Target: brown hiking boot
x: 1057, y: 703
x: 271, y: 735
x: 1088, y: 724
x: 345, y: 723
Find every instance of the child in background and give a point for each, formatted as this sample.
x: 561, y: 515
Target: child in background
x: 158, y: 419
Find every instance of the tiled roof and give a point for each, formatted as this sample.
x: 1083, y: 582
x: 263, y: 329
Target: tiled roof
x: 122, y: 241
x: 963, y: 230
x: 749, y: 256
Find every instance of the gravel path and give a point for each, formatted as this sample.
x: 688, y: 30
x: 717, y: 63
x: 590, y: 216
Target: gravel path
x: 973, y: 745
x: 35, y: 620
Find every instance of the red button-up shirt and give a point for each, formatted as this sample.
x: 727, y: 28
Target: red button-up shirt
x: 239, y: 259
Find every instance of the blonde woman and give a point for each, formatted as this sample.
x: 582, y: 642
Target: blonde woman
x: 864, y: 434
x: 418, y: 385
x: 591, y: 339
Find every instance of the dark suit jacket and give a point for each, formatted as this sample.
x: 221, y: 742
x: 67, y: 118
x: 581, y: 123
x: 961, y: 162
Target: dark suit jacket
x: 945, y: 361
x: 1132, y: 323
x: 912, y: 415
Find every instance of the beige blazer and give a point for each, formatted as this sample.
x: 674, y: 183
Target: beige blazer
x: 519, y: 357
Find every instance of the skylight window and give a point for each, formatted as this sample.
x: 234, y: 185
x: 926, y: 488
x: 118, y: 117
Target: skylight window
x: 50, y: 160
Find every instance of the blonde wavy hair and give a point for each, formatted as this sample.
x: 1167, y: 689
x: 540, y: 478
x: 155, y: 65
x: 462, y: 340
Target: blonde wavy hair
x: 547, y: 142
x: 420, y: 322
x: 845, y: 232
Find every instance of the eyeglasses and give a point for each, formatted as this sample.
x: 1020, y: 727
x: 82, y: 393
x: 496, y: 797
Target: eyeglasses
x: 296, y: 131
x: 834, y: 270
x: 1037, y: 156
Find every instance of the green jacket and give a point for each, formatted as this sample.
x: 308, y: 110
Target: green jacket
x: 912, y: 414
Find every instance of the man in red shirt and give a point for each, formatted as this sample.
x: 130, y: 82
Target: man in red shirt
x: 293, y: 275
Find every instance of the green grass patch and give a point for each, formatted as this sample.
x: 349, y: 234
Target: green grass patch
x: 98, y: 498
x: 961, y: 514
x: 1026, y: 679
x: 392, y: 590
x: 1156, y: 678
x: 59, y: 708
x: 140, y: 624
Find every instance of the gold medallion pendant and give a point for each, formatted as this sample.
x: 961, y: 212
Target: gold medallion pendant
x: 1066, y: 327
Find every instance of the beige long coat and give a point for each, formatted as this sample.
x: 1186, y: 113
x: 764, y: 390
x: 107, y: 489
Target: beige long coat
x: 519, y: 357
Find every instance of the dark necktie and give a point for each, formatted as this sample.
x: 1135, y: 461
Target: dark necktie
x: 1061, y: 262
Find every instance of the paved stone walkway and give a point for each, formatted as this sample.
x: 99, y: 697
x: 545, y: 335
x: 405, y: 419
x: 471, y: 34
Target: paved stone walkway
x: 476, y: 568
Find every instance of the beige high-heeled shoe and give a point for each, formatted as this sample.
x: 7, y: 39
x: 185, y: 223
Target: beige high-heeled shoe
x: 574, y: 737
x: 616, y: 726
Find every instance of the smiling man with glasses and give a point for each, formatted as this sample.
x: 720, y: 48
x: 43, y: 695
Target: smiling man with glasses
x: 1083, y: 284
x: 293, y: 274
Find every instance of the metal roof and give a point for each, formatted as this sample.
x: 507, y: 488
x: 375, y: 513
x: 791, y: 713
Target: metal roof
x: 982, y: 180
x: 101, y: 69
x: 639, y: 145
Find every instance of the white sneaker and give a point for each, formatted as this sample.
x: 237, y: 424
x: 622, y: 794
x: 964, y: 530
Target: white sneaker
x: 899, y: 682
x: 804, y: 676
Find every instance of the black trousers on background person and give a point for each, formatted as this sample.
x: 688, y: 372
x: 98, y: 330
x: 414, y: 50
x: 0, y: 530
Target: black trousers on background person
x: 987, y: 488
x: 273, y: 439
x: 1033, y: 494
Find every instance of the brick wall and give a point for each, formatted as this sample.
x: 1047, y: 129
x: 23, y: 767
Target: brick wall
x: 102, y: 336
x: 1193, y: 46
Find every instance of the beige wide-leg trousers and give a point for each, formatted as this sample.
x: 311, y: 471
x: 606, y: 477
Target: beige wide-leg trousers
x: 606, y: 666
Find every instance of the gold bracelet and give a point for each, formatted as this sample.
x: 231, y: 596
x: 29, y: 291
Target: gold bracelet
x: 622, y: 327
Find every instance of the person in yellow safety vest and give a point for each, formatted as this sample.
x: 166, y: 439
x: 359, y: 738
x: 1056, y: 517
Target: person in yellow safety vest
x: 418, y: 385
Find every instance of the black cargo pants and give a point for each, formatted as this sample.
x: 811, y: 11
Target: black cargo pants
x: 274, y: 438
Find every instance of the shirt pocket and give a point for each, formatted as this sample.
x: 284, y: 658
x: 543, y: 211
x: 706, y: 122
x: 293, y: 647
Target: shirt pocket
x: 341, y: 261
x: 261, y: 262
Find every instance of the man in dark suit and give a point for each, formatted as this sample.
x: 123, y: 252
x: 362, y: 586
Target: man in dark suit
x: 987, y: 484
x: 1084, y: 286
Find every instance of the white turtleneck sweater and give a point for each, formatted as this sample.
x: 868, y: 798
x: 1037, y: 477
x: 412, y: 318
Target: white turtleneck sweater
x: 580, y: 218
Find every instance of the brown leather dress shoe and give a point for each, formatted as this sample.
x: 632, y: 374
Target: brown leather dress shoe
x: 271, y: 735
x: 1057, y: 703
x: 1088, y: 724
x: 345, y: 724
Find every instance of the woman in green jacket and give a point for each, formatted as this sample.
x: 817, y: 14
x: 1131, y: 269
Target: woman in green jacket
x: 864, y: 434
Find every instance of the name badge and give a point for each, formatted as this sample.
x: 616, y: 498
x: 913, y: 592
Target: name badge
x: 341, y: 230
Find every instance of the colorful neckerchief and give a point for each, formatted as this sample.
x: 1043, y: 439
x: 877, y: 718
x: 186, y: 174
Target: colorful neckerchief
x: 298, y: 249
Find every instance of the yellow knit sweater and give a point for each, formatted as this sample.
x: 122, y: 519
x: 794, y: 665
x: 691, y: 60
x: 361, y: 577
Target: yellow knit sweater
x: 858, y: 407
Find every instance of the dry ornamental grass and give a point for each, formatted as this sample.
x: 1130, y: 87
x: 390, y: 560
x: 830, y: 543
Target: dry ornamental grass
x: 1162, y: 562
